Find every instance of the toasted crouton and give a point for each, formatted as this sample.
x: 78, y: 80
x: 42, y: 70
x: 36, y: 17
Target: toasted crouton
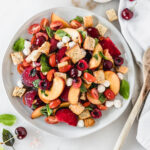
x: 83, y: 96
x: 45, y: 48
x: 101, y: 29
x: 88, y: 21
x: 34, y: 55
x: 108, y: 56
x: 89, y: 122
x: 87, y: 85
x: 81, y: 28
x: 122, y: 69
x: 18, y: 92
x: 100, y: 76
x: 62, y: 75
x: 76, y: 53
x: 85, y: 114
x: 17, y: 57
x: 77, y: 108
x: 62, y: 64
x: 89, y: 43
x: 111, y: 14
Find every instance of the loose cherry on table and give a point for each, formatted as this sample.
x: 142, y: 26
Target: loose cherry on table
x: 127, y: 14
x: 21, y: 133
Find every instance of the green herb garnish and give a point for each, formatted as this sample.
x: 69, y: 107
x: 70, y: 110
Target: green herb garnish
x: 102, y: 55
x: 7, y: 119
x: 83, y: 88
x: 33, y: 72
x: 93, y: 85
x: 102, y: 98
x: 89, y: 108
x: 96, y: 41
x: 61, y: 33
x: 43, y: 92
x: 36, y: 83
x: 46, y: 110
x: 89, y: 71
x: 79, y: 19
x: 19, y: 45
x: 96, y: 56
x: 49, y: 31
x: 124, y: 89
x: 83, y: 33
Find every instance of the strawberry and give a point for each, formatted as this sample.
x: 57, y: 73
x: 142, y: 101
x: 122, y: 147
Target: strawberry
x: 108, y: 44
x: 60, y: 54
x: 67, y: 116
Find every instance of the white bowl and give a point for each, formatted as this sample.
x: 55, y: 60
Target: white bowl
x: 10, y: 75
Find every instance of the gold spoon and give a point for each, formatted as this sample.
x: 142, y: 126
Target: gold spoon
x: 137, y: 107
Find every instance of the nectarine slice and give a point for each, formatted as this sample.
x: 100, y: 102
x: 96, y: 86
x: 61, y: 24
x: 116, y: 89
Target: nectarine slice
x: 92, y: 100
x: 114, y: 81
x: 55, y: 91
x: 37, y: 112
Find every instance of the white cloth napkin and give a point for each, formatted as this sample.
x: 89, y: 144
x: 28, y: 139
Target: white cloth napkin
x: 137, y: 34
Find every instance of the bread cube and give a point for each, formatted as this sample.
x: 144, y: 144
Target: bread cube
x: 77, y: 108
x: 89, y: 122
x: 76, y: 53
x: 85, y: 114
x: 17, y: 57
x: 33, y: 56
x: 18, y: 92
x: 100, y: 76
x: 89, y: 43
x: 62, y: 64
x: 122, y: 69
x: 101, y: 29
x: 45, y: 48
x: 83, y: 96
x: 60, y: 74
x: 88, y: 21
x: 111, y: 14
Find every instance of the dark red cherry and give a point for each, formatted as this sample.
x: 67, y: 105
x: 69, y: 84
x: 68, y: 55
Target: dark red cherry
x: 73, y: 73
x: 40, y: 40
x: 118, y: 61
x: 107, y: 65
x: 96, y: 113
x: 127, y: 14
x: 82, y: 65
x: 21, y: 133
x: 44, y: 84
x: 93, y: 32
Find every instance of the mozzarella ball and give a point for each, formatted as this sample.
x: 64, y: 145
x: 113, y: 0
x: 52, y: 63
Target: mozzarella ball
x: 69, y: 81
x: 106, y: 83
x: 65, y: 39
x: 60, y: 44
x: 72, y: 44
x: 101, y: 88
x: 109, y: 104
x: 79, y: 73
x: 26, y: 50
x: 19, y: 84
x: 117, y: 103
x: 120, y: 75
x: 80, y: 124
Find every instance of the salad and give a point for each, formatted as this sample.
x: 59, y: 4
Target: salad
x: 70, y: 72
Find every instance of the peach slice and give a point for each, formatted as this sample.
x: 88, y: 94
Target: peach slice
x: 37, y: 112
x: 114, y: 81
x: 55, y: 91
x: 92, y: 100
x: 73, y: 95
x: 54, y: 17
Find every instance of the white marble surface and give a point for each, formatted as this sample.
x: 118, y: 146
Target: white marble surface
x: 13, y: 13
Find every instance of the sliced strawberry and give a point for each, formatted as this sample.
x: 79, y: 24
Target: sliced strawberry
x: 67, y: 116
x: 53, y: 44
x: 64, y: 95
x: 108, y: 44
x: 42, y: 34
x: 60, y: 54
x: 65, y: 68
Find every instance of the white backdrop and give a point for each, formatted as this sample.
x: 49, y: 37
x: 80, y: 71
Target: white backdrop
x: 13, y: 13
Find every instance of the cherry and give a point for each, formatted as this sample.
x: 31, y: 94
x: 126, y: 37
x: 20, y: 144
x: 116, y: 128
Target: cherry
x: 44, y: 84
x: 96, y: 113
x: 127, y: 14
x: 107, y: 65
x: 40, y: 40
x: 82, y: 65
x: 73, y: 73
x: 21, y: 133
x: 93, y: 32
x: 118, y: 61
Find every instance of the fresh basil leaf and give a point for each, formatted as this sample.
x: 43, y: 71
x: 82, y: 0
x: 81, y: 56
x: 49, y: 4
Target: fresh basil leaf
x: 102, y: 55
x: 102, y: 98
x: 33, y: 72
x: 19, y: 45
x: 83, y: 33
x: 7, y: 136
x: 124, y: 89
x: 78, y: 18
x: 96, y: 56
x: 83, y: 88
x: 1, y: 148
x: 7, y: 119
x: 43, y: 92
x: 96, y: 41
x: 49, y: 31
x: 36, y: 83
x: 34, y: 106
x: 44, y: 63
x: 89, y: 71
x: 61, y: 33
x: 93, y: 85
x: 89, y: 108
x: 46, y: 110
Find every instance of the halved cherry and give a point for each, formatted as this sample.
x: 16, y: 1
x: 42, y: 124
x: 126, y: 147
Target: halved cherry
x: 20, y: 68
x: 25, y: 64
x: 109, y: 94
x: 42, y: 34
x: 34, y: 28
x: 94, y: 93
x: 50, y: 75
x: 89, y: 77
x: 102, y: 107
x: 33, y: 39
x: 60, y: 54
x: 86, y: 104
x: 55, y: 103
x: 51, y: 120
x: 44, y: 23
x: 77, y: 83
x: 82, y: 65
x: 75, y: 24
x: 55, y: 25
x: 65, y: 68
x: 52, y: 60
x: 65, y: 59
x: 53, y: 43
